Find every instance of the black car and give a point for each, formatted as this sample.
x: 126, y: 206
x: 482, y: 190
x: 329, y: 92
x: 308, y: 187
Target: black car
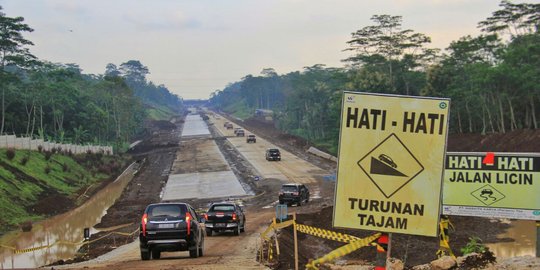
x: 273, y: 154
x: 225, y: 216
x: 293, y: 193
x: 170, y: 227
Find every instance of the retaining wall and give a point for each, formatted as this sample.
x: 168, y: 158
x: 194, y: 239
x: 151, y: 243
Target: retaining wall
x: 27, y: 143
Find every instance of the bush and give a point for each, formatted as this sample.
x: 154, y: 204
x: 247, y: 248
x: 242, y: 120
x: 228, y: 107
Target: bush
x: 40, y: 148
x: 48, y: 154
x: 54, y: 150
x: 10, y: 153
x: 474, y: 246
x: 24, y: 160
x: 105, y: 169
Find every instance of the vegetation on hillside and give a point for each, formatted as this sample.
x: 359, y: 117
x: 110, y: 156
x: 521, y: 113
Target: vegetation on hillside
x: 58, y: 102
x: 27, y: 177
x: 493, y: 79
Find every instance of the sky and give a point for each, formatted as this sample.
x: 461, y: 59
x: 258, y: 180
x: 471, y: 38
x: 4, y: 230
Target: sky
x: 195, y: 47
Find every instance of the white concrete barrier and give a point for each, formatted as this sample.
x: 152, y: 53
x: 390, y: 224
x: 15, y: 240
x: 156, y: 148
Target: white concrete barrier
x: 320, y: 153
x: 12, y: 141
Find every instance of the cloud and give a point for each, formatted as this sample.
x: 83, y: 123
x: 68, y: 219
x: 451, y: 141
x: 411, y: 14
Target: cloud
x: 73, y: 7
x: 172, y: 20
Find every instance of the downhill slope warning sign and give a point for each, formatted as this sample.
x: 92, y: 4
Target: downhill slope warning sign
x: 391, y: 158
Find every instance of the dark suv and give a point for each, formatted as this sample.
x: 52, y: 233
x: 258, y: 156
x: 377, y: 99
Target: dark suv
x: 293, y: 193
x: 170, y: 227
x: 273, y: 154
x: 225, y: 216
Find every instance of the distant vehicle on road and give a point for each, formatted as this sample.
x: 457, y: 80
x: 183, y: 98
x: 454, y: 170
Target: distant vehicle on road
x: 273, y: 154
x: 251, y: 138
x: 240, y: 133
x: 225, y: 216
x: 293, y: 193
x: 229, y: 125
x: 225, y: 124
x: 170, y: 227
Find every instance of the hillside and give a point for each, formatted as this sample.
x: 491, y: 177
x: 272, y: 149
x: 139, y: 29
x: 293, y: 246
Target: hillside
x: 37, y: 184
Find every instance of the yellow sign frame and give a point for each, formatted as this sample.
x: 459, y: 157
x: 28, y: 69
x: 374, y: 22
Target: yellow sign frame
x: 391, y: 163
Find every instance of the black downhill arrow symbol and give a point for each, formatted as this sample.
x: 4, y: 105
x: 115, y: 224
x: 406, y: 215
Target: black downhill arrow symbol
x: 379, y: 167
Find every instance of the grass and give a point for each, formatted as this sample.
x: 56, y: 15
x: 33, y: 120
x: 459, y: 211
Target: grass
x: 22, y: 186
x: 239, y: 110
x: 159, y: 113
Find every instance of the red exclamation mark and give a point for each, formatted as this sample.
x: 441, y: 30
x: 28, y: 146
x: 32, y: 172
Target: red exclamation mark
x: 489, y: 159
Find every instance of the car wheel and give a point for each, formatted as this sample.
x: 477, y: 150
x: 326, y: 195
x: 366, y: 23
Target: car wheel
x: 201, y: 248
x: 194, y: 251
x: 156, y: 254
x: 243, y: 227
x: 307, y: 198
x: 209, y: 232
x: 145, y: 255
x: 237, y: 230
x: 299, y: 203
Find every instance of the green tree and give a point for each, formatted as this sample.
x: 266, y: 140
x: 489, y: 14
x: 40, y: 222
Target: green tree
x: 13, y: 52
x: 387, y: 49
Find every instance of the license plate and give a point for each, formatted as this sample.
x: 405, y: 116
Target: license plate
x: 166, y: 226
x: 220, y: 225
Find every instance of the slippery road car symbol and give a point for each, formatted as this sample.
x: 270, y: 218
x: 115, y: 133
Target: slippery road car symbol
x: 386, y: 159
x: 487, y: 194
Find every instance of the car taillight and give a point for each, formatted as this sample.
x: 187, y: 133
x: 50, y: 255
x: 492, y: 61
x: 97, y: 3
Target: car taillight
x: 205, y: 216
x: 144, y: 220
x: 188, y: 222
x: 234, y: 216
x: 295, y: 193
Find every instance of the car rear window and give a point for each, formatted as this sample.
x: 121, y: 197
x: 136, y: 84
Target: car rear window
x: 273, y: 151
x: 222, y: 208
x: 289, y: 188
x: 166, y: 211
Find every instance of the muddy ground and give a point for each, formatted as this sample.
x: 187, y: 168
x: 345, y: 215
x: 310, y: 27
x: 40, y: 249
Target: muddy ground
x: 155, y: 155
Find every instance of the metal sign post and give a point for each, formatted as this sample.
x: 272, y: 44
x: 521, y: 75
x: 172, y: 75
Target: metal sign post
x: 538, y: 239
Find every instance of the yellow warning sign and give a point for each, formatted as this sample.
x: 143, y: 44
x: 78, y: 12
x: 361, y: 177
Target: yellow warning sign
x: 391, y: 158
x: 502, y: 185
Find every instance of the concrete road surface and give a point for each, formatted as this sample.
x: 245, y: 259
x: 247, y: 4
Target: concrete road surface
x: 289, y: 169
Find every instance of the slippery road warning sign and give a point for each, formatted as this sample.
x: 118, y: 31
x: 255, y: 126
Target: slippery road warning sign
x: 391, y: 157
x: 502, y: 185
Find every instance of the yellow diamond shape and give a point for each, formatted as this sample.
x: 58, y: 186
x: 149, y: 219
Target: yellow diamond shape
x: 390, y: 165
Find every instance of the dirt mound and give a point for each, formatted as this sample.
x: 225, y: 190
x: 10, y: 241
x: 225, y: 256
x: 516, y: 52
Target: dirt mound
x: 412, y: 250
x: 524, y: 140
x: 52, y: 204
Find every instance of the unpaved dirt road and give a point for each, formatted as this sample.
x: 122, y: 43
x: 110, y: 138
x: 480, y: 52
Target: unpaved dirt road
x: 222, y: 251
